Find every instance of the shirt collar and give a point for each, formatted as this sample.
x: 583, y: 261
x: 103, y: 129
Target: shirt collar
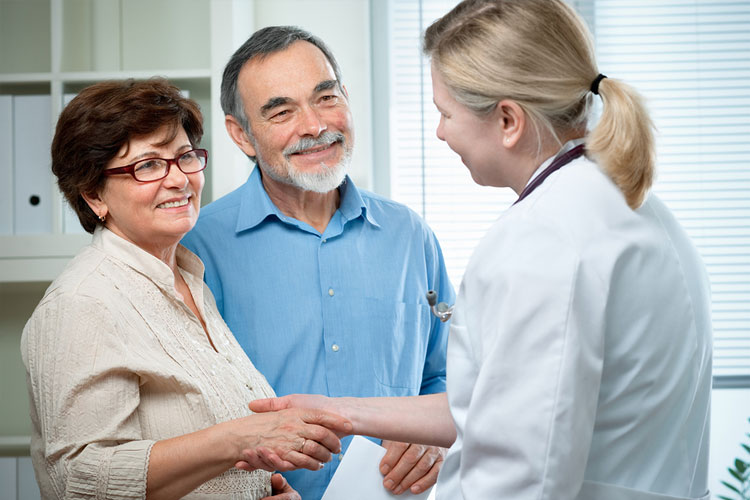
x: 143, y: 262
x: 256, y: 206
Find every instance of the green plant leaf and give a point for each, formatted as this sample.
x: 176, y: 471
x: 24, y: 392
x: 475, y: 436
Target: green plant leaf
x: 722, y: 497
x: 747, y: 448
x: 736, y: 474
x: 740, y: 466
x: 731, y: 487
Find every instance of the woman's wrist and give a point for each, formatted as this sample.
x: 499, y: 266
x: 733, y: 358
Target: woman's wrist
x: 228, y: 441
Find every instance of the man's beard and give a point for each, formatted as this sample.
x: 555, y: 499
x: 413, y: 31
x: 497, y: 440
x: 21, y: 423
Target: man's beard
x: 323, y: 181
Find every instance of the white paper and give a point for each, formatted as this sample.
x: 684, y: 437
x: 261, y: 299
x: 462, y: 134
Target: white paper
x: 358, y: 475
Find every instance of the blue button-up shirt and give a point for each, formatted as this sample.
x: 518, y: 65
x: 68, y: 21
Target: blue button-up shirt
x: 341, y: 313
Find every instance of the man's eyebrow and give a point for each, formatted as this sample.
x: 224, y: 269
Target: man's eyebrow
x: 273, y: 103
x: 326, y: 85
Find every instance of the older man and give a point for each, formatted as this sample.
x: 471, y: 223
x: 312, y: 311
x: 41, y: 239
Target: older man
x: 322, y: 284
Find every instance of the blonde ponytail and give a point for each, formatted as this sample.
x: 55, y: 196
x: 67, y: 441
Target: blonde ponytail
x: 622, y: 143
x: 539, y: 54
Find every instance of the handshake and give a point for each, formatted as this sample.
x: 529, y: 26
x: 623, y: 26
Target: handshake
x: 293, y: 432
x: 304, y: 431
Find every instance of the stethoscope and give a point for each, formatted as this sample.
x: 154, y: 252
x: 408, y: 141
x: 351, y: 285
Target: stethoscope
x: 441, y: 310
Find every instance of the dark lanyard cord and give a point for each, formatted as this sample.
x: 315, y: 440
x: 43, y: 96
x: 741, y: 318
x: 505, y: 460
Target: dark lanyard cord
x: 558, y: 163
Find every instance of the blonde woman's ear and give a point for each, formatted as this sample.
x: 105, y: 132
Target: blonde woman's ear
x: 512, y: 121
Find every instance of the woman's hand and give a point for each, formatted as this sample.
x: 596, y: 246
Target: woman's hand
x: 295, y: 438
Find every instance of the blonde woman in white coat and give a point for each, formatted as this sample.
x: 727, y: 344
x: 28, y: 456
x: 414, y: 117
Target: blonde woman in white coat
x: 579, y: 361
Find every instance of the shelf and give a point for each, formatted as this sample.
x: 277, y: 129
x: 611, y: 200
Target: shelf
x: 15, y: 446
x: 95, y: 76
x: 40, y: 257
x: 171, y: 74
x: 25, y: 77
x: 58, y: 47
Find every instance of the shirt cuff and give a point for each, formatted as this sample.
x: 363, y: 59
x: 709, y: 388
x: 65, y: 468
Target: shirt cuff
x: 113, y: 472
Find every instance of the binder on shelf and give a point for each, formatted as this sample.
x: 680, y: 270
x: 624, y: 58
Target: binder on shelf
x: 6, y: 164
x: 32, y: 176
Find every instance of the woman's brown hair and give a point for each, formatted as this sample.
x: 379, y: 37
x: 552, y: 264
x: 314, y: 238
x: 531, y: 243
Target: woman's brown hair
x: 101, y: 119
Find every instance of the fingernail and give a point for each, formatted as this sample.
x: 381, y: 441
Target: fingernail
x: 388, y: 484
x: 398, y: 491
x: 320, y: 465
x: 385, y: 469
x: 415, y: 489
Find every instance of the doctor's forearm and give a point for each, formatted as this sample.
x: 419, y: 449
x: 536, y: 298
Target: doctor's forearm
x: 415, y: 419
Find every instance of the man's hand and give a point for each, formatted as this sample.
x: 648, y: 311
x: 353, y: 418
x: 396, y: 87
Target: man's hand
x: 412, y: 467
x: 280, y: 489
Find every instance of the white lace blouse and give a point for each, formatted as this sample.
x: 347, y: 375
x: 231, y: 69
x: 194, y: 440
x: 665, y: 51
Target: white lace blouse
x: 115, y: 361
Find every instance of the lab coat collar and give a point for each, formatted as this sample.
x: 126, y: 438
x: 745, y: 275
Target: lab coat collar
x: 564, y: 149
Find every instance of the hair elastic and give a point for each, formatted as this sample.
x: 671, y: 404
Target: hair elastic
x: 595, y: 83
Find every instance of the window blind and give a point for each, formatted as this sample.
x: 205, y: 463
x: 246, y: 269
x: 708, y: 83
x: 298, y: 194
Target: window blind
x: 691, y: 60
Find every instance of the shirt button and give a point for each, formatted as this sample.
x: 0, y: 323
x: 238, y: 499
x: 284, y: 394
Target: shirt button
x: 335, y: 348
x: 324, y: 240
x: 341, y: 457
x: 330, y: 292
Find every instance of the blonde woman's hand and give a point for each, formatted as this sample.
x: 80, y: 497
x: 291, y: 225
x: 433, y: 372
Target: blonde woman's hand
x: 310, y: 401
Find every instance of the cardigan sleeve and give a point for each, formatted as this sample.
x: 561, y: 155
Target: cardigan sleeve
x: 84, y: 400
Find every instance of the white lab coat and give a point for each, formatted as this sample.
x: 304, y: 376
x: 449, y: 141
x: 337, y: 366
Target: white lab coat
x: 579, y: 358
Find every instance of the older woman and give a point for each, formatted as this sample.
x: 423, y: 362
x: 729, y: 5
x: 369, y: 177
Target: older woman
x: 137, y: 386
x: 579, y: 359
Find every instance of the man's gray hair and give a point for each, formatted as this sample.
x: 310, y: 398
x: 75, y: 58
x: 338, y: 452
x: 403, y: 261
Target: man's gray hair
x: 262, y: 43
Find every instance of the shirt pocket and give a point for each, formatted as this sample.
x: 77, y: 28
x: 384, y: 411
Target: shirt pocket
x: 398, y: 347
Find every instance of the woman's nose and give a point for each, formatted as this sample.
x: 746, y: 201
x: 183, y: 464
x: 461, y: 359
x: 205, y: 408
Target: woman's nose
x: 176, y: 177
x: 439, y: 131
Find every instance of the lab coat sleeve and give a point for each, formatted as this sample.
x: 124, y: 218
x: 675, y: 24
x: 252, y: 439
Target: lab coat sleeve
x: 534, y: 320
x: 84, y: 400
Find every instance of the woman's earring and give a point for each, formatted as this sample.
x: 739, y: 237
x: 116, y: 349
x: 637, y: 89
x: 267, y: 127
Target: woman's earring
x: 102, y: 218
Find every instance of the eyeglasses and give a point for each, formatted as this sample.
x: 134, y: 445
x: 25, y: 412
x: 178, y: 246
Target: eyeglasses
x: 154, y: 169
